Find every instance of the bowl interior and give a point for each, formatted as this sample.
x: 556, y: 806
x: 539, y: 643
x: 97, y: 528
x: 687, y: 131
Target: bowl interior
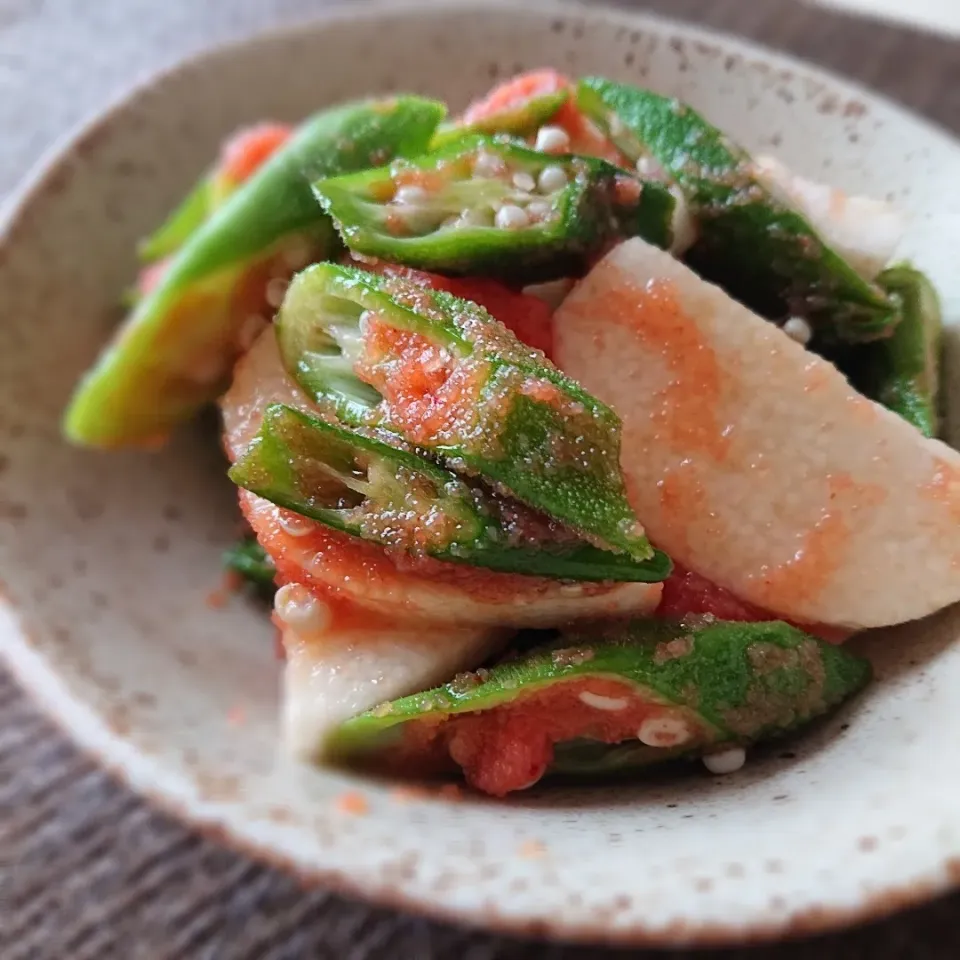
x: 108, y: 561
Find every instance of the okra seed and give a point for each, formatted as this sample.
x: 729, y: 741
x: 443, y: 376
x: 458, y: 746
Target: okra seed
x: 510, y: 217
x: 276, y: 290
x: 539, y: 210
x: 476, y: 217
x: 663, y: 731
x: 600, y: 702
x: 410, y: 193
x: 523, y: 181
x: 725, y: 761
x: 364, y: 320
x: 294, y: 525
x: 487, y: 165
x: 299, y: 609
x: 552, y: 140
x: 648, y: 168
x: 796, y: 328
x: 552, y: 179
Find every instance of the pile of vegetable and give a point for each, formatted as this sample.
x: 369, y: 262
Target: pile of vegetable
x: 573, y: 362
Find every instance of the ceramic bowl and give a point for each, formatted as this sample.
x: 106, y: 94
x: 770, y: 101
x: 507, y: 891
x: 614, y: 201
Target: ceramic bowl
x: 108, y: 559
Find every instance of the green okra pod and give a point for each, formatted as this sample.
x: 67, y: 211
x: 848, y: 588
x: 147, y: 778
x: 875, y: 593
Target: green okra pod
x: 516, y: 119
x: 443, y: 375
x: 494, y: 208
x: 756, y: 245
x: 903, y: 371
x: 657, y: 688
x: 369, y: 489
x: 175, y: 351
x: 188, y: 217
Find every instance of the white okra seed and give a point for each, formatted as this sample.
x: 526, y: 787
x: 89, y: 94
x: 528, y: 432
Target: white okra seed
x: 663, y: 731
x: 294, y: 525
x: 298, y: 608
x: 539, y: 210
x: 725, y: 761
x: 523, y: 181
x: 796, y: 328
x: 510, y: 217
x: 476, y: 217
x: 487, y: 165
x: 552, y: 139
x: 276, y: 290
x: 410, y: 193
x: 552, y: 179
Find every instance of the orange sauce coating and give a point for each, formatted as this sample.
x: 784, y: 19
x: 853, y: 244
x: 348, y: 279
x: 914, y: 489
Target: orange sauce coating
x: 510, y: 747
x: 425, y: 392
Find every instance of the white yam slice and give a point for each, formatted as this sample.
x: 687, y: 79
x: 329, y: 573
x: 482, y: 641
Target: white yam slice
x: 336, y: 672
x: 258, y: 380
x: 864, y: 231
x: 332, y: 563
x: 752, y: 461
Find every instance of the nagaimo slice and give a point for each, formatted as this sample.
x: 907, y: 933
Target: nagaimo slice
x: 754, y: 462
x: 335, y: 669
x: 864, y: 231
x: 328, y: 562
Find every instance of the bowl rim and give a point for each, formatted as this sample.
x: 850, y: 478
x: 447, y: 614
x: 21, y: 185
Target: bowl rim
x: 128, y: 767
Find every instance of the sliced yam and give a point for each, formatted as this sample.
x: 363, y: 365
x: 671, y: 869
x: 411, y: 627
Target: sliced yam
x: 752, y: 461
x: 864, y: 231
x: 334, y: 673
x: 421, y: 589
x: 332, y: 563
x: 259, y: 379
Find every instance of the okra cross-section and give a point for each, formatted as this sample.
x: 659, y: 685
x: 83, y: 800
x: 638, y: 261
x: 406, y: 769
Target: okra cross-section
x: 751, y: 241
x: 903, y: 371
x: 634, y: 694
x: 491, y: 207
x: 362, y: 486
x: 442, y: 374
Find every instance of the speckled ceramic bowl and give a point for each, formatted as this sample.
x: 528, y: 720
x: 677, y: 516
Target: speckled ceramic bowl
x: 107, y: 560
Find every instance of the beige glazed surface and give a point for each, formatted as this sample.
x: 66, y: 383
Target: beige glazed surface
x: 107, y: 560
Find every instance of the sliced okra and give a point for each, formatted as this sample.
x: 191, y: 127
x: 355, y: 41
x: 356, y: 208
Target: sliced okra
x: 494, y: 208
x: 174, y: 352
x: 442, y: 374
x: 188, y: 217
x: 658, y: 689
x: 751, y: 241
x: 521, y: 119
x: 903, y: 371
x: 369, y: 489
